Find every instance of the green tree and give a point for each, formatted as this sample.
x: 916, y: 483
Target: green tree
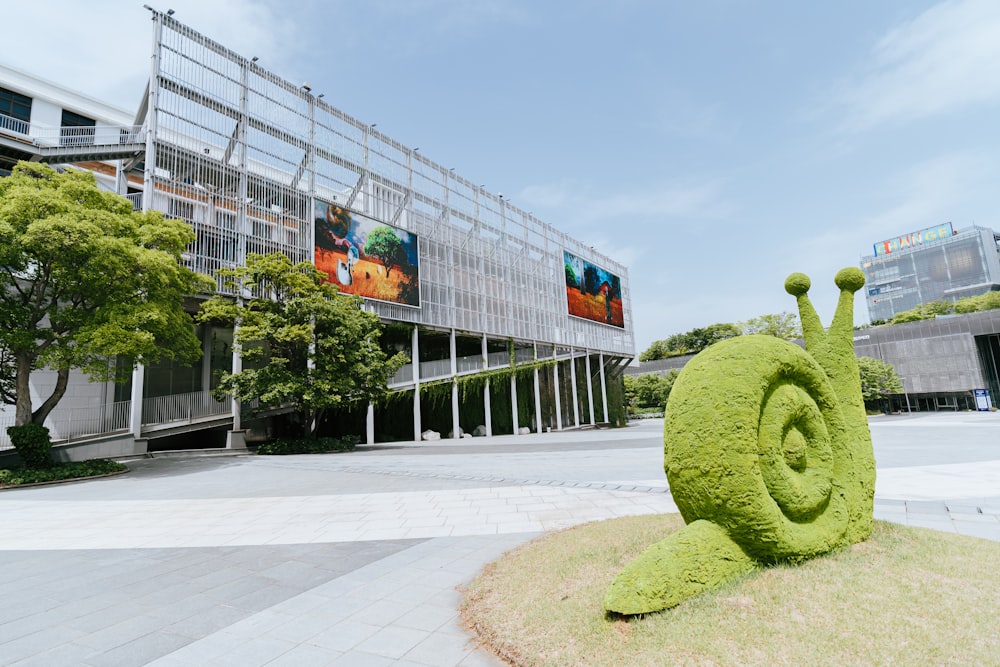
x: 83, y: 278
x: 780, y: 325
x: 689, y: 342
x: 649, y: 390
x: 306, y: 345
x: 384, y: 245
x: 878, y: 379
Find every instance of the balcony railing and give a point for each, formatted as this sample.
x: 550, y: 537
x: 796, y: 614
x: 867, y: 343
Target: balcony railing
x: 99, y: 135
x: 14, y: 125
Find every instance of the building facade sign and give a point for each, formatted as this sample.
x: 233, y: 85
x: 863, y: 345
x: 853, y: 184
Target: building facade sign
x: 914, y: 239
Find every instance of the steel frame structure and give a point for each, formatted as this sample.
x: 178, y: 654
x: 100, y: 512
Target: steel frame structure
x: 243, y: 154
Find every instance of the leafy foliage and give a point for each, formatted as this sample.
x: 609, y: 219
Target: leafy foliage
x: 84, y: 278
x: 689, y: 342
x: 304, y: 344
x: 930, y: 310
x: 384, y: 245
x: 780, y: 325
x: 59, y: 472
x: 878, y: 379
x: 287, y: 446
x: 32, y: 443
x: 649, y: 390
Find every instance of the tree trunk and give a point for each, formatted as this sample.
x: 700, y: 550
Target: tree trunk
x: 62, y: 381
x: 22, y: 389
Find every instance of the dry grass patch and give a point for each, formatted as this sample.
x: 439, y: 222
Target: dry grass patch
x: 907, y: 596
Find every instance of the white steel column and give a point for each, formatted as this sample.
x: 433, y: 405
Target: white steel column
x: 237, y: 368
x: 456, y: 427
x: 538, y: 392
x: 153, y: 110
x: 135, y: 418
x: 604, y: 389
x: 590, y: 390
x: 513, y: 401
x: 370, y: 425
x: 576, y: 400
x: 415, y: 354
x: 555, y: 386
x: 487, y: 401
x: 538, y: 403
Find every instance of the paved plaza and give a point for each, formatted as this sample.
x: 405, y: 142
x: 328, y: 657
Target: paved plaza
x: 358, y: 559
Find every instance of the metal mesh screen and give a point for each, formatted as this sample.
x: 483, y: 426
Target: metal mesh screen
x: 241, y: 154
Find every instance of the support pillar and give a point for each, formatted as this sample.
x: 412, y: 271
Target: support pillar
x: 604, y: 390
x: 487, y: 403
x: 590, y: 390
x: 555, y: 387
x: 237, y: 368
x: 370, y: 425
x: 456, y: 425
x: 513, y: 402
x: 135, y: 406
x: 538, y: 403
x: 572, y: 379
x: 415, y: 348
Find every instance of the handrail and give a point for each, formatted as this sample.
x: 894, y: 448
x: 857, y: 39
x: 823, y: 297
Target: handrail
x: 183, y: 408
x: 76, y: 423
x: 94, y: 135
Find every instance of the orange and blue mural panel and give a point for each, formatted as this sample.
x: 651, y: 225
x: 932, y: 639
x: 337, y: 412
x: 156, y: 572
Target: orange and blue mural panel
x: 365, y: 257
x: 593, y: 293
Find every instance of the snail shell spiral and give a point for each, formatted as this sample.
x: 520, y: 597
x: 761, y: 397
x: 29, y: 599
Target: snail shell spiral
x: 767, y: 458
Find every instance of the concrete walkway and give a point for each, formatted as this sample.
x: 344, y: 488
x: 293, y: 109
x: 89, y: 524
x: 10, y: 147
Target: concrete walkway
x: 357, y: 559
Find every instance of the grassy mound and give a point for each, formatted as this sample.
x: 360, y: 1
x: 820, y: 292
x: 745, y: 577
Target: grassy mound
x: 905, y: 596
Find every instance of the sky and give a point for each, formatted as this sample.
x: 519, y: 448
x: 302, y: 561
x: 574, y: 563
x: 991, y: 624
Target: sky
x: 711, y: 147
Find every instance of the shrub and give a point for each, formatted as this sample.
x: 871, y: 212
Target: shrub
x: 32, y: 443
x: 62, y: 471
x: 284, y: 446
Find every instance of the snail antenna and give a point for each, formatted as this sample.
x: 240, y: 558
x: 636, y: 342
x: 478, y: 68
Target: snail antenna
x: 798, y: 285
x: 849, y: 280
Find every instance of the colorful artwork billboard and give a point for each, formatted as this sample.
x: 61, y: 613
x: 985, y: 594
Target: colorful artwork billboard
x: 592, y: 292
x: 366, y: 257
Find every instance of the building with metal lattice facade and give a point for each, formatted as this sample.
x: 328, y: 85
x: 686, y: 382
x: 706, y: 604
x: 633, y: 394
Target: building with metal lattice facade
x: 257, y: 164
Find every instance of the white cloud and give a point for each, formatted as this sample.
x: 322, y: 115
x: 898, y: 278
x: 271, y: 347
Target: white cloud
x: 941, y: 61
x: 102, y: 47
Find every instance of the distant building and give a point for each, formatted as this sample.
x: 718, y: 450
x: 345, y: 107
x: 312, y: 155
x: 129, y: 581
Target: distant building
x: 941, y: 362
x: 933, y: 264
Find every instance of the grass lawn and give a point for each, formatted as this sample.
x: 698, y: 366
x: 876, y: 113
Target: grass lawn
x: 906, y: 596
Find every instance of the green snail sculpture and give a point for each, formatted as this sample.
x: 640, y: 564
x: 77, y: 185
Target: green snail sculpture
x: 768, y: 456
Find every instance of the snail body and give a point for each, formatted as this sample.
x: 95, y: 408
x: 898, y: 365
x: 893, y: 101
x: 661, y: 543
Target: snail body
x: 768, y: 456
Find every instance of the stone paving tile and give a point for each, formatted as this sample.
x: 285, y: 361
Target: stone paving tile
x: 282, y: 578
x: 392, y: 641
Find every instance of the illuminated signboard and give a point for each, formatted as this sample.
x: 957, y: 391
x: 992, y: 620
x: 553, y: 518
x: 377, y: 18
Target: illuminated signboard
x: 366, y: 257
x: 914, y: 239
x: 592, y: 292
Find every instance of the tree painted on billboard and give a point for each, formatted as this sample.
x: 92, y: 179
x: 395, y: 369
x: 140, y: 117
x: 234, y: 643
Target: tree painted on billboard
x: 366, y: 258
x: 592, y: 292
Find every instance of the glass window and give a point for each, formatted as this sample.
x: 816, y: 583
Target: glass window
x: 16, y: 106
